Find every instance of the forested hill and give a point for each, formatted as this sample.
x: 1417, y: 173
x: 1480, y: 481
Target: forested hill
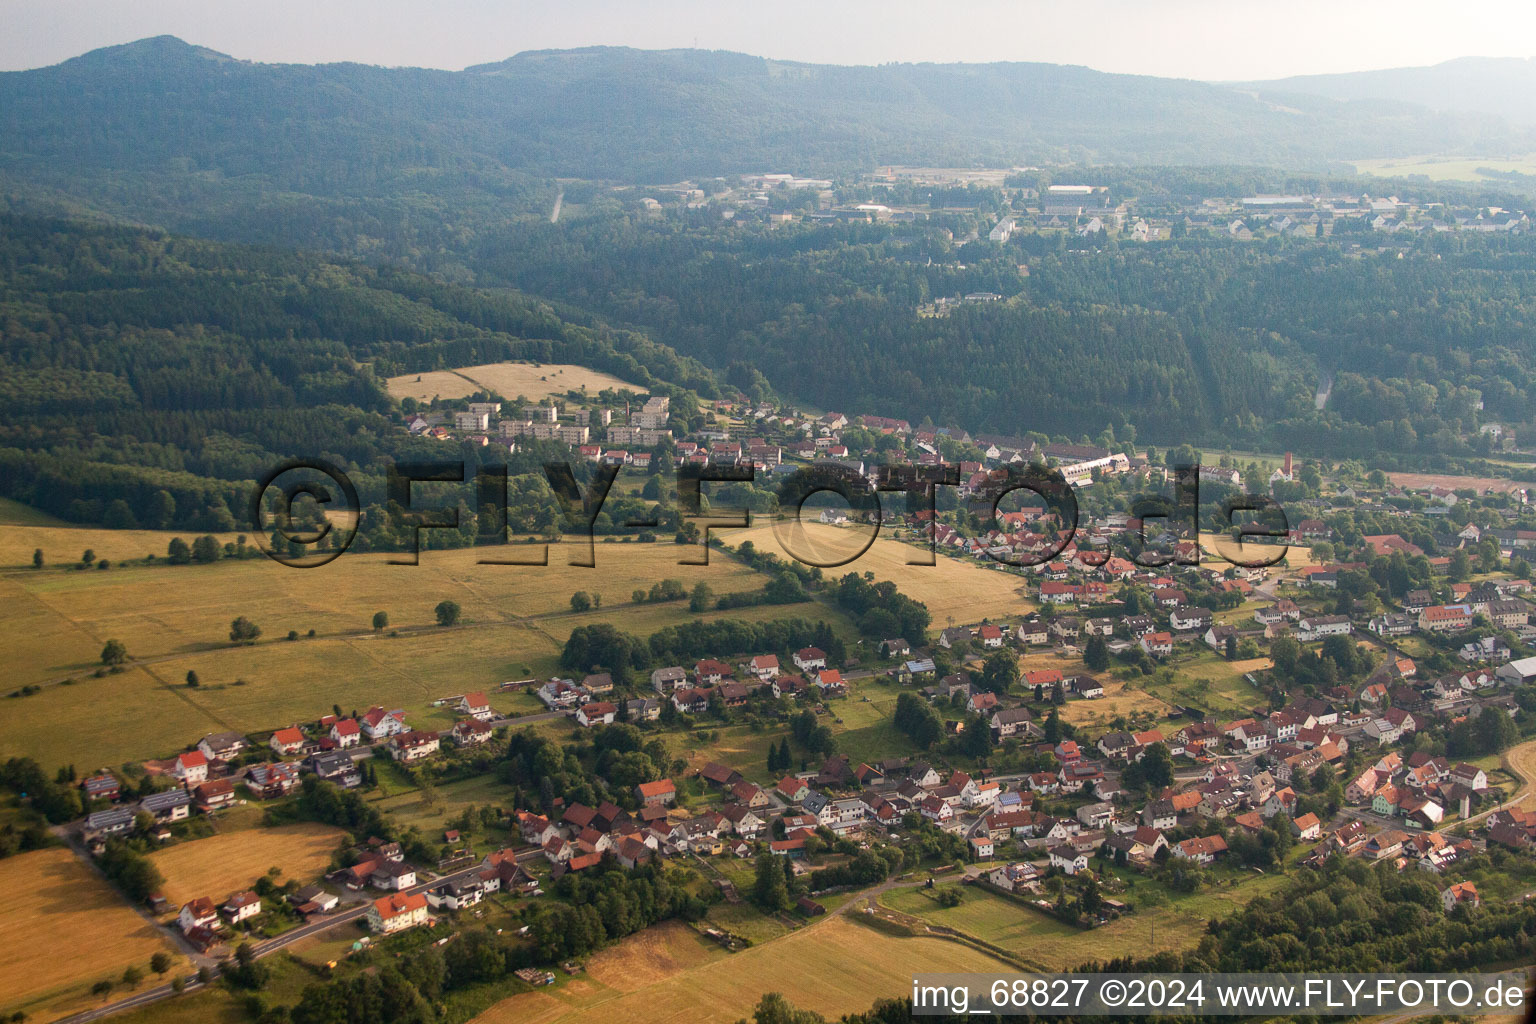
x: 1203, y: 340
x: 130, y: 127
x: 133, y: 362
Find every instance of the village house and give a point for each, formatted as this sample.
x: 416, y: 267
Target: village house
x: 709, y: 672
x: 809, y: 659
x: 112, y: 821
x: 395, y: 913
x: 661, y: 792
x: 102, y: 786
x: 1069, y: 859
x: 379, y: 724
x: 221, y: 746
x: 198, y: 913
x: 666, y: 680
x: 1013, y: 877
x: 270, y: 781
x: 1157, y: 645
x: 1317, y: 627
x: 1462, y: 894
x: 458, y: 895
x: 191, y: 768
x: 1203, y: 850
x: 392, y: 876
x: 476, y: 706
x: 470, y: 732
x: 598, y: 712
x: 241, y: 907
x: 346, y: 732
x: 286, y: 741
x: 413, y: 746
x: 1445, y: 618
x: 167, y: 806
x: 214, y: 795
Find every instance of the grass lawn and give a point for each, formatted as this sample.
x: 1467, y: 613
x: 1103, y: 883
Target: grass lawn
x: 213, y: 1005
x: 62, y: 930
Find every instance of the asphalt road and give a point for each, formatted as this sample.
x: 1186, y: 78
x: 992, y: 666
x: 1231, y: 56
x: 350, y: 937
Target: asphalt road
x: 268, y: 947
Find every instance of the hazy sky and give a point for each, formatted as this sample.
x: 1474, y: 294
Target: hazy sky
x: 1210, y: 39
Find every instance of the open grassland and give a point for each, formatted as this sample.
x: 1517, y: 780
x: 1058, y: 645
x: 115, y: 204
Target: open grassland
x: 227, y: 863
x: 14, y: 513
x: 959, y: 591
x: 864, y: 731
x: 62, y: 929
x: 175, y: 619
x: 833, y: 967
x: 530, y: 380
x: 127, y: 716
x: 1052, y: 945
x: 1208, y: 681
x: 63, y: 544
x: 1447, y: 168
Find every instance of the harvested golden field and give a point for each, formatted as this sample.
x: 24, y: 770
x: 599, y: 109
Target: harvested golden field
x: 227, y: 863
x: 962, y: 591
x: 1521, y: 760
x: 1119, y: 700
x: 62, y: 929
x: 833, y: 967
x: 1415, y: 481
x: 1215, y: 547
x: 175, y: 619
x: 530, y: 380
x: 63, y: 544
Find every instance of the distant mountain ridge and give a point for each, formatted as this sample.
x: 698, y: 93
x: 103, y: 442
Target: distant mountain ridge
x: 164, y: 106
x: 1502, y: 87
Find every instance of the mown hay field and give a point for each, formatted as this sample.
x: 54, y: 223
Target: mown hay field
x: 833, y: 967
x: 175, y: 619
x: 62, y: 929
x: 230, y: 862
x: 531, y: 380
x: 962, y: 591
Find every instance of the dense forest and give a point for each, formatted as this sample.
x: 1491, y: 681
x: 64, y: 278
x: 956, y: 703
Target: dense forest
x: 135, y: 364
x: 1201, y: 339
